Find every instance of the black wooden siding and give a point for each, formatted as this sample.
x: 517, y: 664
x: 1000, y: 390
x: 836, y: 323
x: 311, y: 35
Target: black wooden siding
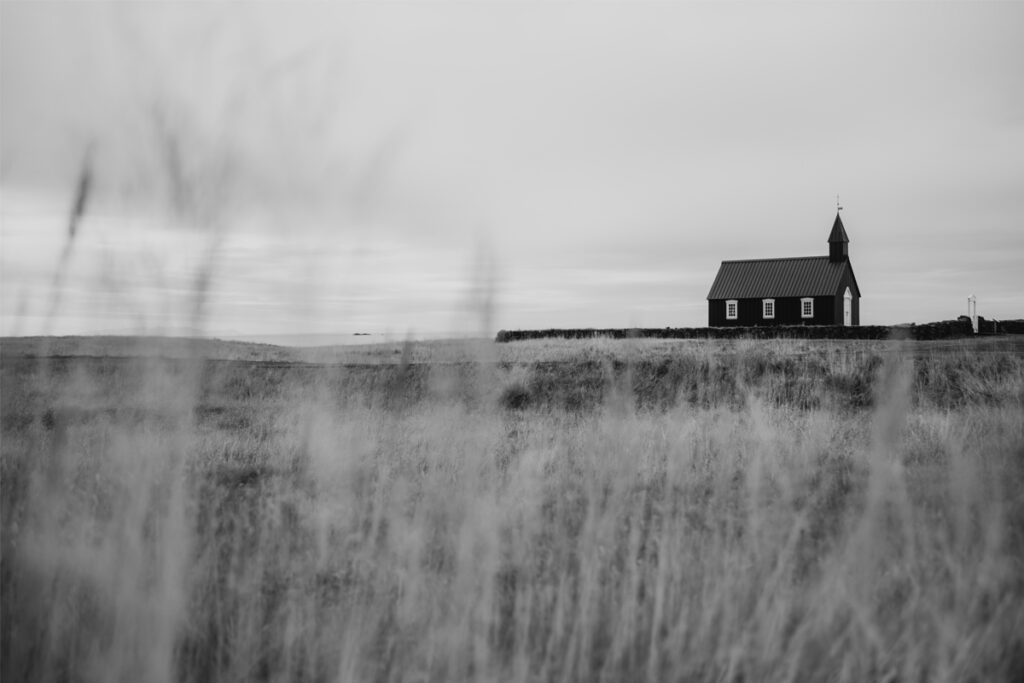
x: 787, y: 312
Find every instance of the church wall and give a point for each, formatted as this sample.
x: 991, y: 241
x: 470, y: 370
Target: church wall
x: 787, y: 312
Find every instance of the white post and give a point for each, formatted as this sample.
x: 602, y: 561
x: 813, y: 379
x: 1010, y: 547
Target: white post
x: 972, y: 311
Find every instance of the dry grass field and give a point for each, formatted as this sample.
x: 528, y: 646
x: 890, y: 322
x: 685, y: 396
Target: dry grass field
x: 537, y: 511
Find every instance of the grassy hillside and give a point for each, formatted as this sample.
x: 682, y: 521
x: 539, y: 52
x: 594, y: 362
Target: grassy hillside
x: 545, y: 510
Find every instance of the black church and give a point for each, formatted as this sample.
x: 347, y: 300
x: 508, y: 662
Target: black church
x: 810, y: 290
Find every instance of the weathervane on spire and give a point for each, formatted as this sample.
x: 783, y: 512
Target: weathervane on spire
x: 838, y: 207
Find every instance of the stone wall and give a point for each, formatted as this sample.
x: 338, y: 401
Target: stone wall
x: 947, y: 329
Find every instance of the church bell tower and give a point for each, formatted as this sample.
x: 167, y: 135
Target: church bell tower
x: 838, y: 242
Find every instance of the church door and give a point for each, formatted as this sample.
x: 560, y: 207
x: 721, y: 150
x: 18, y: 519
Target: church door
x: 847, y: 308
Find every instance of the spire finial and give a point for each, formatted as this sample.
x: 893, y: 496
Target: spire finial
x: 838, y: 207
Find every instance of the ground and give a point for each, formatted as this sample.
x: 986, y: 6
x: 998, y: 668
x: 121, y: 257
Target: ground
x: 571, y: 510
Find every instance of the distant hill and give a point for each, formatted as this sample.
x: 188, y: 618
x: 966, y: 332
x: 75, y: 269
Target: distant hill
x: 123, y: 345
x: 368, y: 351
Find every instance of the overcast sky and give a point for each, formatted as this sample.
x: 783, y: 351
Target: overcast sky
x: 395, y: 167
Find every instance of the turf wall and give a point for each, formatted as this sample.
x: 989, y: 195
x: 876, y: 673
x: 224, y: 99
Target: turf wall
x: 948, y: 329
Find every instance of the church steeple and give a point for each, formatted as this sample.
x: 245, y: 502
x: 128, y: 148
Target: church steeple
x: 838, y: 242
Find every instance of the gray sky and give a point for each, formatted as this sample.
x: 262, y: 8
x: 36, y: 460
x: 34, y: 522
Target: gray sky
x: 389, y: 167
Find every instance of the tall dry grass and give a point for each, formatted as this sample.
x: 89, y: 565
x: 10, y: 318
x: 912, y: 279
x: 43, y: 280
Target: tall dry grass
x: 794, y: 512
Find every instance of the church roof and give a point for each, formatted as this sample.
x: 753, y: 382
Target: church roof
x: 838, y: 233
x: 781, y: 277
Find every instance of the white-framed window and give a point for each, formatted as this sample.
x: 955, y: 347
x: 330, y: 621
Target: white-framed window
x: 732, y: 309
x: 768, y: 309
x: 807, y: 307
